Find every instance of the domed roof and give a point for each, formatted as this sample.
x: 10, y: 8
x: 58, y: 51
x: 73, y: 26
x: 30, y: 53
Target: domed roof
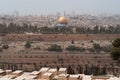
x: 62, y: 20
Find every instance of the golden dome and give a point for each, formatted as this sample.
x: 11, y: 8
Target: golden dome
x: 62, y: 20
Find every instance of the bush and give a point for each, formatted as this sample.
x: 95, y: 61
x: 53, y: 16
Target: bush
x: 74, y: 48
x: 91, y: 49
x: 54, y: 47
x: 28, y: 44
x: 96, y: 46
x: 0, y: 49
x: 37, y: 48
x: 5, y: 46
x: 116, y: 42
x: 106, y: 49
x: 115, y: 53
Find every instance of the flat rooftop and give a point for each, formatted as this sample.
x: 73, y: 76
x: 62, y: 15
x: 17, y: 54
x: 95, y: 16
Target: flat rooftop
x: 44, y: 69
x: 74, y: 76
x: 52, y: 70
x: 35, y: 73
x: 17, y: 72
x: 47, y: 74
x: 62, y: 69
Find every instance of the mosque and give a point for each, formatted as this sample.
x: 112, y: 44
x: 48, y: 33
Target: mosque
x: 62, y: 22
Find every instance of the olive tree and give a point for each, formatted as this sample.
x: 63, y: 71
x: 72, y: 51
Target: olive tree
x: 55, y: 47
x: 115, y: 52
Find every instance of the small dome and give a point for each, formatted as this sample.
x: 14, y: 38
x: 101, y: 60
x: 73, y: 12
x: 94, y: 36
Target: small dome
x: 62, y: 20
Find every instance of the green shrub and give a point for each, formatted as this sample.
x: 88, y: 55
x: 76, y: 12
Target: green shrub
x: 96, y: 46
x: 74, y: 48
x: 54, y: 47
x: 28, y: 44
x: 116, y: 42
x: 37, y: 48
x: 115, y: 53
x: 5, y: 46
x: 0, y: 49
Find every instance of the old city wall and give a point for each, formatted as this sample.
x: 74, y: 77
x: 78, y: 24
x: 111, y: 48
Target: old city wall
x: 32, y: 61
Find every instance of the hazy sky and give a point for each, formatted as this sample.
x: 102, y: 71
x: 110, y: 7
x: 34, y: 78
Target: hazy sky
x: 53, y: 6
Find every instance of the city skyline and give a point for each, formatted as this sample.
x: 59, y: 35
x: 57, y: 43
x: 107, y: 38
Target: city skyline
x: 36, y: 7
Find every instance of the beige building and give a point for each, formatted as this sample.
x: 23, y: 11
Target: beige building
x: 74, y: 77
x: 36, y: 73
x: 100, y: 78
x: 47, y: 76
x: 63, y: 77
x: 53, y: 71
x: 43, y: 70
x: 8, y: 72
x: 26, y: 76
x: 17, y: 73
x: 62, y: 71
x: 2, y: 72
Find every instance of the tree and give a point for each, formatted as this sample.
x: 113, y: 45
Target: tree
x: 96, y: 46
x: 95, y: 70
x: 116, y: 42
x: 79, y: 69
x: 96, y: 29
x: 102, y: 30
x: 104, y: 71
x: 70, y: 70
x: 0, y: 49
x: 72, y: 42
x: 54, y: 47
x: 115, y: 53
x: 28, y: 44
x: 74, y: 48
x: 86, y: 71
x: 5, y: 46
